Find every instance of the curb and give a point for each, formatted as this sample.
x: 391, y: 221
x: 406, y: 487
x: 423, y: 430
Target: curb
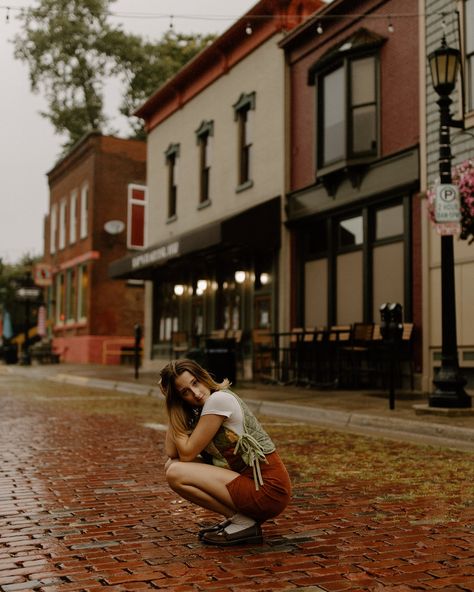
x: 340, y: 419
x: 314, y: 415
x: 124, y: 387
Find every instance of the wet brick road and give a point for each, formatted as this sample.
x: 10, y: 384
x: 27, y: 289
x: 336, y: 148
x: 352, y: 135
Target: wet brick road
x: 84, y: 506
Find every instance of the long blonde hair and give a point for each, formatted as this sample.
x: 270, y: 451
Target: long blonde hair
x: 183, y: 416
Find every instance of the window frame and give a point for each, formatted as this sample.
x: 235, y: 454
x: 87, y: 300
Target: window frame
x: 73, y: 216
x: 82, y: 292
x: 349, y: 156
x: 53, y: 228
x: 84, y: 219
x: 62, y: 224
x: 171, y: 160
x: 204, y: 135
x: 467, y: 59
x: 369, y: 244
x: 242, y: 108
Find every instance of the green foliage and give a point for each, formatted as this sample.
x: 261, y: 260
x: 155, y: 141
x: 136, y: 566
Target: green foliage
x: 60, y: 44
x: 71, y: 50
x: 146, y: 66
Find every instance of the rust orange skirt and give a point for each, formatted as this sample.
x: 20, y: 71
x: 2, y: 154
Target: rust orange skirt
x: 272, y: 497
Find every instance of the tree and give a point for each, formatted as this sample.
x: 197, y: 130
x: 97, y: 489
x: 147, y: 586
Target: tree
x: 145, y: 66
x: 71, y: 50
x: 12, y: 276
x: 60, y: 44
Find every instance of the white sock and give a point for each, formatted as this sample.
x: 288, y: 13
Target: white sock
x: 239, y: 522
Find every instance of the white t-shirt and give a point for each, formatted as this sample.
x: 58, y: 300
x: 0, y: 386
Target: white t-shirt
x: 222, y: 403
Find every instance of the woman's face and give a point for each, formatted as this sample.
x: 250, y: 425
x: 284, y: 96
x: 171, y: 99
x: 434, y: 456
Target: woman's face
x: 191, y: 390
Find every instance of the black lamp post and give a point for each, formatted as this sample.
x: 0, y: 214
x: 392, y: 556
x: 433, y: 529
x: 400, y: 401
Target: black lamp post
x: 449, y: 391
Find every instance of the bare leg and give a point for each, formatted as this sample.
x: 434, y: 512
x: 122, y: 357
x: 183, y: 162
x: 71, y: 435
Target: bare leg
x: 204, y: 485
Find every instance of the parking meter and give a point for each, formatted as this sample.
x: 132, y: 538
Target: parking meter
x: 395, y: 318
x: 384, y: 320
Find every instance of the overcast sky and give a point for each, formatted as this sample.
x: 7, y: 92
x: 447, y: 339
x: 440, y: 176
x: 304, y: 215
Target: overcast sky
x: 28, y: 145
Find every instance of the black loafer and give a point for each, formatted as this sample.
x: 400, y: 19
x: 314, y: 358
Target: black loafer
x: 214, y: 527
x: 251, y: 535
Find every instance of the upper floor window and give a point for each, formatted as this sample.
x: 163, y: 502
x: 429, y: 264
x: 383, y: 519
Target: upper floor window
x: 53, y: 227
x: 469, y: 52
x: 84, y: 211
x: 172, y: 155
x: 62, y: 224
x: 137, y: 202
x: 73, y: 217
x: 244, y: 110
x: 346, y: 79
x: 204, y: 136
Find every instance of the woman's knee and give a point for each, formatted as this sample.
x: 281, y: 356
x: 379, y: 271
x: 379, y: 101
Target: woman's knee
x: 174, y: 472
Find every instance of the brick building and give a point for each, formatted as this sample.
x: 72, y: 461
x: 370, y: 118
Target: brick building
x: 96, y: 212
x: 352, y: 205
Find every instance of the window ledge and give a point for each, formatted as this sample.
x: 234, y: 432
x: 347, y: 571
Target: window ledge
x: 204, y: 204
x: 354, y: 169
x: 244, y: 186
x: 171, y: 219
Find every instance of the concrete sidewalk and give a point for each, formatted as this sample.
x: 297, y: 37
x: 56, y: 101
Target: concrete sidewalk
x: 356, y: 411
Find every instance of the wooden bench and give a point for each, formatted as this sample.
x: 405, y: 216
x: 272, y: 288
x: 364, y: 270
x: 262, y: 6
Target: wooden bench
x: 44, y: 354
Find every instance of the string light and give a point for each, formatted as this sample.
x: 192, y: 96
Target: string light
x: 319, y: 29
x: 214, y: 17
x: 391, y: 28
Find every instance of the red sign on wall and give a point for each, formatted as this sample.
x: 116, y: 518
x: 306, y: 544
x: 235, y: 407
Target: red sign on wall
x: 42, y: 274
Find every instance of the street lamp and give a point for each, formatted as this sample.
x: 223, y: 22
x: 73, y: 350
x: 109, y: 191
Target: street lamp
x: 449, y: 392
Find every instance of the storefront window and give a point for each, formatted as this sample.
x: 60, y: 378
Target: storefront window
x: 83, y: 284
x: 60, y: 305
x: 351, y: 232
x: 71, y: 295
x: 389, y: 222
x: 345, y: 280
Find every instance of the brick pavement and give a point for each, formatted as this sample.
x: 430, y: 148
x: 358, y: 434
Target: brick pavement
x: 84, y: 506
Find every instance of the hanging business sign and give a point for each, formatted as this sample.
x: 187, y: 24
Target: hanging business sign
x: 42, y: 274
x: 447, y: 204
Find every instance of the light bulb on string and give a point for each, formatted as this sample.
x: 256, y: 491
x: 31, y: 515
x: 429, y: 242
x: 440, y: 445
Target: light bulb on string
x: 248, y: 29
x: 319, y: 29
x: 390, y: 27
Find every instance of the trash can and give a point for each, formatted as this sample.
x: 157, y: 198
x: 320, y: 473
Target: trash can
x: 197, y: 355
x: 221, y: 359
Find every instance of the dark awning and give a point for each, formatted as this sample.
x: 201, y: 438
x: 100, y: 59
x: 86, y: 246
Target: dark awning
x: 257, y: 229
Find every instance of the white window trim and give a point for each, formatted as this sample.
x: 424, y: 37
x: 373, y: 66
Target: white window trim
x: 73, y: 217
x: 85, y: 198
x: 62, y: 224
x: 141, y: 202
x: 53, y: 226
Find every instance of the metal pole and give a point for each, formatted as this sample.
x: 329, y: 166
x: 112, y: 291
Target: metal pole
x: 449, y: 383
x: 138, y: 337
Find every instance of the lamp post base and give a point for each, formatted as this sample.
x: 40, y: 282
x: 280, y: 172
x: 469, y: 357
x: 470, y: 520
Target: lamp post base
x: 449, y: 391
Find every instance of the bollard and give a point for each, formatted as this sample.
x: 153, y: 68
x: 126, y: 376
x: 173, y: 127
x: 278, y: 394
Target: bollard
x: 136, y: 349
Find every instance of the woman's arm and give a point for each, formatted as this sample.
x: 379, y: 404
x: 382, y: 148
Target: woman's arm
x: 170, y: 447
x: 188, y: 447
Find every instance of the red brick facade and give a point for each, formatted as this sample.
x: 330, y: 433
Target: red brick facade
x: 105, y: 322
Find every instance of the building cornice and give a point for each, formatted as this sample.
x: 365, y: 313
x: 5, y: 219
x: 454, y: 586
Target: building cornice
x: 267, y: 18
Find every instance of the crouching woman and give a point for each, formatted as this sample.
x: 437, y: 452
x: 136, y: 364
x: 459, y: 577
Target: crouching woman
x: 219, y: 456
